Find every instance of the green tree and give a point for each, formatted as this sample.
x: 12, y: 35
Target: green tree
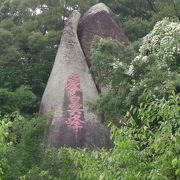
x: 3, y: 143
x: 27, y: 136
x: 22, y: 100
x: 142, y: 14
x: 148, y: 150
x: 128, y: 72
x: 29, y: 35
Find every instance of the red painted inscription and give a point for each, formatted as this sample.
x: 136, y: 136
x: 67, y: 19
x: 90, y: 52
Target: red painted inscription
x: 75, y: 107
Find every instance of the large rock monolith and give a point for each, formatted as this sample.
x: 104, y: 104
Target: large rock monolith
x: 98, y: 21
x: 69, y: 88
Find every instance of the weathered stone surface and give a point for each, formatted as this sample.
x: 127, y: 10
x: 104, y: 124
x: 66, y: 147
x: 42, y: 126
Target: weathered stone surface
x: 69, y: 88
x: 98, y: 20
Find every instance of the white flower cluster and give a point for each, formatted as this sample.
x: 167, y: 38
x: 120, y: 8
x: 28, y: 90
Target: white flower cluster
x: 163, y: 41
x: 117, y: 64
x: 130, y: 70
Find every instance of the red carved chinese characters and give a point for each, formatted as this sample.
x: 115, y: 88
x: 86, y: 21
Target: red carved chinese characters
x: 73, y: 84
x: 75, y: 108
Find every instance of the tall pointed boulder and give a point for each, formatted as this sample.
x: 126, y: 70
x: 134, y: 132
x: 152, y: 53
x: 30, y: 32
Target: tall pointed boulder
x: 70, y: 87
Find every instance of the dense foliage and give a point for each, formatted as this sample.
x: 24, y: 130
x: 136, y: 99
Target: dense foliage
x: 145, y: 148
x: 144, y: 64
x: 140, y: 85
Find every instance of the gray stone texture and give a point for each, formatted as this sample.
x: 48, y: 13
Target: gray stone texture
x: 70, y: 59
x: 98, y: 21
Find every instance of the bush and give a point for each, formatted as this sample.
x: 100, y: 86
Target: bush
x: 136, y: 28
x: 23, y: 100
x: 145, y: 150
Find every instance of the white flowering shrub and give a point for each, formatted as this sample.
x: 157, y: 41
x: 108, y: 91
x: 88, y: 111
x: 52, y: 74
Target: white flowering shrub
x: 157, y: 61
x: 146, y: 64
x: 162, y: 43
